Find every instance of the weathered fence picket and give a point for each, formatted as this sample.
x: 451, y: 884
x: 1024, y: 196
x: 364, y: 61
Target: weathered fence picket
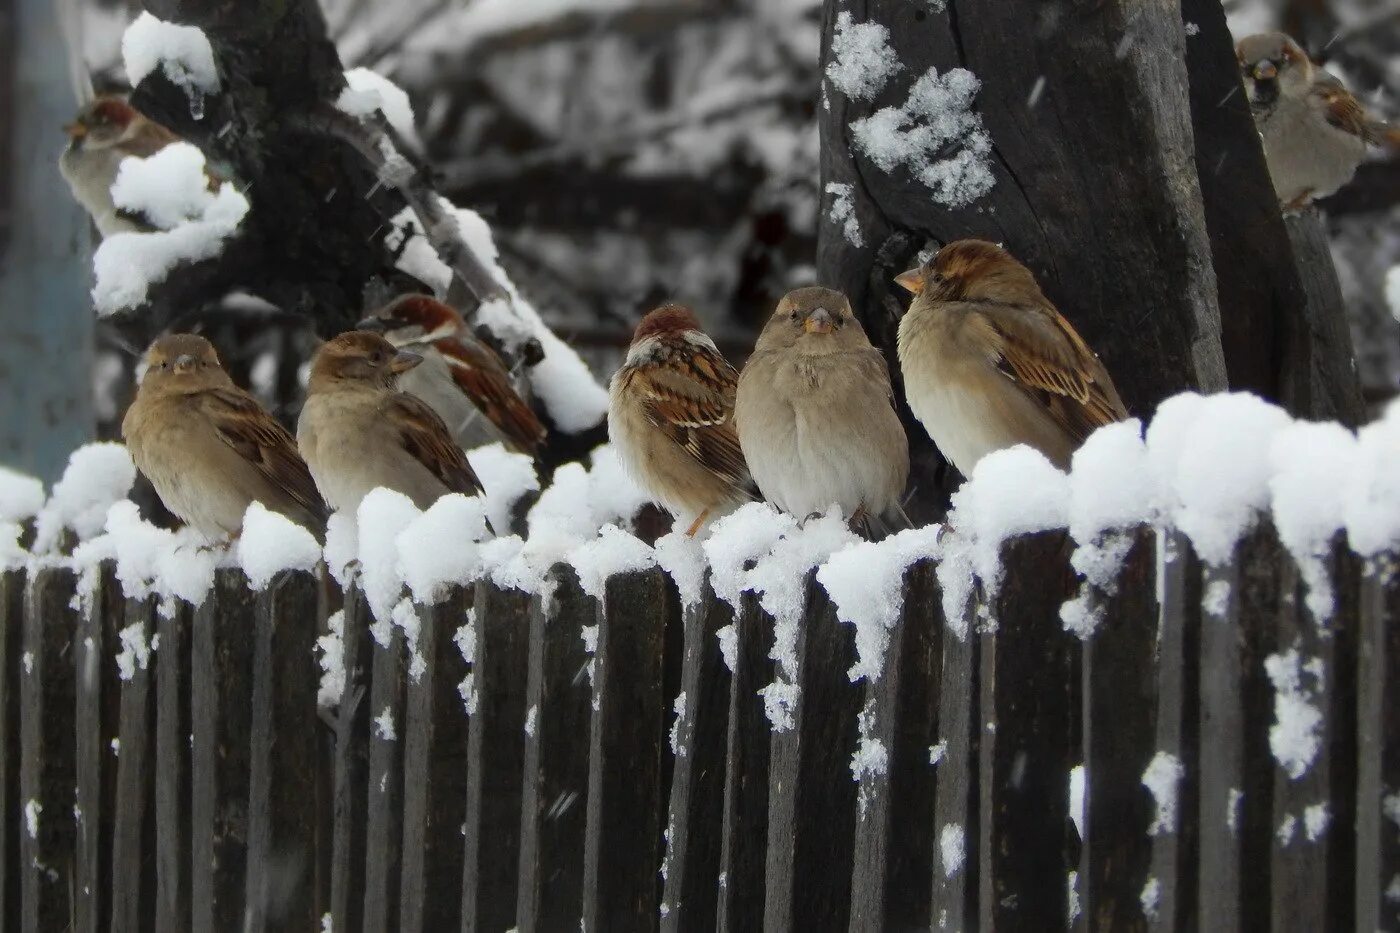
x: 1239, y: 750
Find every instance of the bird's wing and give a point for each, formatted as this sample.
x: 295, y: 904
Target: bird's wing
x: 689, y: 395
x: 1344, y: 111
x: 481, y: 375
x: 1039, y: 350
x: 259, y: 439
x: 426, y: 438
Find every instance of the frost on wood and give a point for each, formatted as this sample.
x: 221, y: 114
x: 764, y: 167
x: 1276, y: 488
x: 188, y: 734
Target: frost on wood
x: 171, y: 190
x: 97, y: 476
x: 271, y: 543
x: 1163, y: 775
x: 843, y: 211
x: 182, y: 52
x: 1295, y: 737
x: 861, y: 58
x: 936, y: 135
x: 952, y: 849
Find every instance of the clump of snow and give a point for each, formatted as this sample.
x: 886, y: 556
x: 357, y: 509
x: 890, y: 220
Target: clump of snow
x: 843, y: 211
x: 1287, y: 829
x: 737, y: 540
x: 97, y: 476
x: 384, y: 725
x: 381, y: 517
x: 1312, y: 466
x: 127, y: 265
x: 780, y: 704
x: 936, y: 135
x: 1072, y: 895
x: 342, y: 546
x: 330, y: 649
x: 870, y: 759
x: 182, y: 52
x: 465, y: 637
x: 1216, y: 598
x: 506, y: 476
x: 613, y: 552
x: 405, y: 618
x: 1390, y: 806
x: 1316, y: 819
x: 168, y: 187
x: 1210, y: 458
x: 438, y: 550
x: 12, y: 556
x: 1011, y: 492
x: 270, y: 543
x: 952, y: 848
x: 32, y: 809
x: 21, y: 496
x: 530, y: 716
x: 467, y: 691
x: 1164, y: 772
x: 866, y: 582
x: 1232, y: 809
x: 683, y: 558
x: 1076, y: 797
x: 1372, y: 504
x: 1151, y: 898
x: 1295, y: 738
x: 728, y: 637
x: 1392, y: 291
x: 937, y: 752
x: 367, y: 91
x: 677, y: 744
x: 150, y: 560
x: 861, y: 58
x: 135, y: 652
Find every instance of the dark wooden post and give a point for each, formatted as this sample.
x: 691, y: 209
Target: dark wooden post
x: 745, y: 816
x: 955, y: 787
x: 1120, y: 701
x: 174, y: 844
x: 98, y: 708
x: 1378, y: 696
x: 811, y: 797
x: 134, y: 832
x: 496, y: 757
x: 384, y: 810
x: 552, y: 802
x: 1178, y: 708
x: 11, y: 803
x: 47, y: 770
x: 221, y: 688
x: 625, y: 790
x: 437, y: 772
x: 1029, y: 708
x: 1240, y: 605
x: 691, y: 866
x: 894, y: 839
x: 280, y: 889
x: 352, y: 745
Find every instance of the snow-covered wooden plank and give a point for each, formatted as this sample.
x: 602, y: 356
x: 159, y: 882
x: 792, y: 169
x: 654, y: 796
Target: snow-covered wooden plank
x: 174, y: 843
x: 351, y: 766
x: 1378, y: 741
x: 98, y: 700
x: 894, y: 847
x: 384, y: 807
x: 954, y: 905
x: 552, y: 803
x: 698, y: 735
x: 496, y: 754
x: 12, y: 583
x: 282, y: 801
x: 133, y: 756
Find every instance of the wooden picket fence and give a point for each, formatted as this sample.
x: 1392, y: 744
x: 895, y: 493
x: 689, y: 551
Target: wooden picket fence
x: 206, y: 793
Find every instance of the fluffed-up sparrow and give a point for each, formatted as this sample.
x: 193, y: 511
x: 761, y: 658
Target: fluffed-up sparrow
x: 671, y: 417
x: 815, y: 412
x: 989, y: 363
x: 208, y: 448
x: 358, y: 431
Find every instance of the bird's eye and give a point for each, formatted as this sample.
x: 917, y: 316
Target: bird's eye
x: 794, y: 316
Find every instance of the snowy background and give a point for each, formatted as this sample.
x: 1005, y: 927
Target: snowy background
x: 627, y: 151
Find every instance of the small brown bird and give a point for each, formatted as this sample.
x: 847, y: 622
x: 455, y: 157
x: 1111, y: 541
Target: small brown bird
x: 1315, y: 132
x: 105, y: 132
x: 208, y: 448
x: 989, y: 363
x: 671, y: 416
x: 815, y: 412
x: 358, y: 431
x: 461, y: 378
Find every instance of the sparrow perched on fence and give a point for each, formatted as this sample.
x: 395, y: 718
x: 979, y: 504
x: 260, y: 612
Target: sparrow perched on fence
x: 1315, y: 132
x: 208, y: 448
x: 815, y: 412
x: 989, y: 363
x: 105, y: 132
x: 358, y: 431
x: 671, y: 416
x: 461, y: 378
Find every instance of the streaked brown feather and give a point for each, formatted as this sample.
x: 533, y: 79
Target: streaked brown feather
x: 426, y: 437
x: 258, y: 438
x: 483, y: 377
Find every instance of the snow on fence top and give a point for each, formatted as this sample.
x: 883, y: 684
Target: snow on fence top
x: 1209, y: 466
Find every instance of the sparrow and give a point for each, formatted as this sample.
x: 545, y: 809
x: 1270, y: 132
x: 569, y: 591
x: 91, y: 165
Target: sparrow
x: 105, y: 132
x: 671, y: 417
x: 359, y: 431
x: 209, y: 449
x: 989, y: 363
x: 1315, y: 132
x: 461, y: 378
x: 815, y: 412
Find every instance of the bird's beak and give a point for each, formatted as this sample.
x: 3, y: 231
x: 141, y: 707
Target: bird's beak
x: 374, y: 324
x: 403, y: 361
x: 911, y: 281
x: 1265, y: 71
x: 75, y: 130
x: 818, y: 322
x: 184, y: 363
